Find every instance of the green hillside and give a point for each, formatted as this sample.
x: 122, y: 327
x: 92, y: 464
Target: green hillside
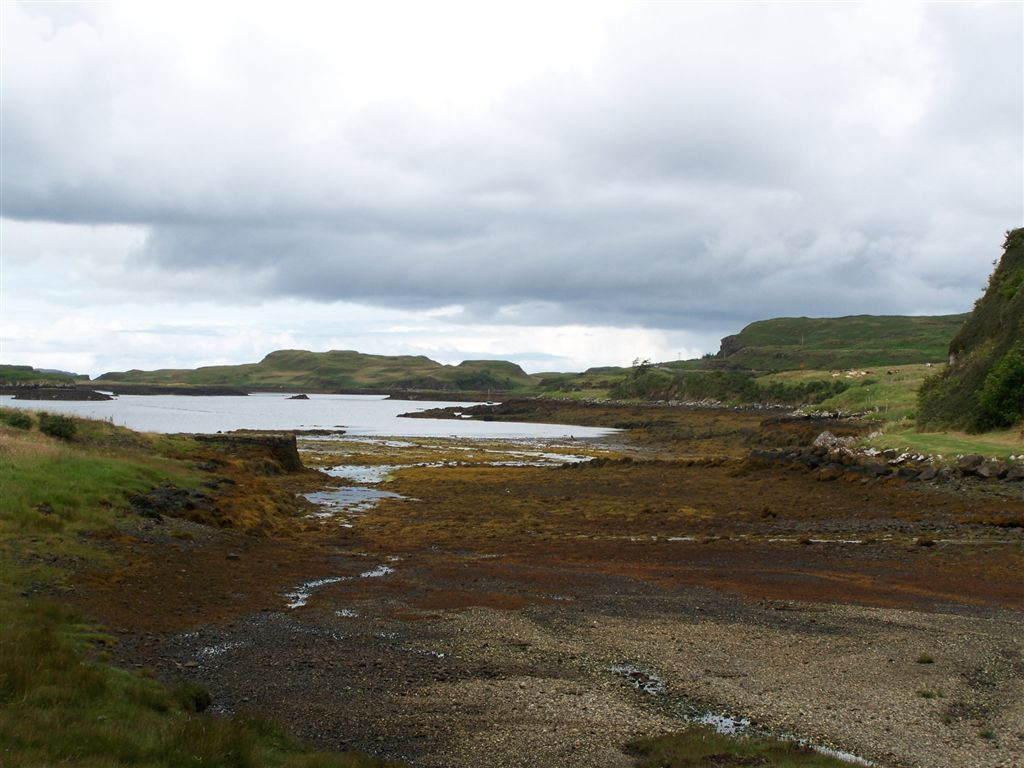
x: 768, y: 346
x: 19, y: 375
x: 983, y: 388
x: 859, y: 341
x: 295, y: 369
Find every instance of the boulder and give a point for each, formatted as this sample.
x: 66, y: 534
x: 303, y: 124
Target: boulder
x: 991, y: 469
x: 909, y: 473
x: 876, y: 470
x: 1015, y: 473
x: 969, y: 464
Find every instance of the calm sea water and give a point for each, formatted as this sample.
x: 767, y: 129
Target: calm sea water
x: 356, y: 414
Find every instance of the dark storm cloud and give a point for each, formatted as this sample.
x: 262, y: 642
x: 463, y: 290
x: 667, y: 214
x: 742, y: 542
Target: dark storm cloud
x: 715, y: 165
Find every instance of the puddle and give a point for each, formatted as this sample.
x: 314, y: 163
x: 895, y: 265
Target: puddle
x: 359, y: 473
x: 536, y: 458
x: 351, y: 500
x: 644, y: 681
x: 724, y: 724
x: 838, y: 754
x: 380, y: 570
x: 301, y: 594
x: 728, y: 725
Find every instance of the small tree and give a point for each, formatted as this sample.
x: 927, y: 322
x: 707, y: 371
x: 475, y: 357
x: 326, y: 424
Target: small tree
x: 640, y: 367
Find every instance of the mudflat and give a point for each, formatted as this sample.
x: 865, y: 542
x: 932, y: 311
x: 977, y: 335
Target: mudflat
x: 513, y: 604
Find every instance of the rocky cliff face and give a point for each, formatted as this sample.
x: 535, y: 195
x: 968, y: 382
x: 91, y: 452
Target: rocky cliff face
x: 983, y: 387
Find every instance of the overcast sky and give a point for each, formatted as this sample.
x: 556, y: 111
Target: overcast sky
x: 561, y: 184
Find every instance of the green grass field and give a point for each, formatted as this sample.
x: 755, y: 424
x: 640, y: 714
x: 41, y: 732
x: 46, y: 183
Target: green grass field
x: 888, y: 393
x: 889, y: 397
x: 904, y: 436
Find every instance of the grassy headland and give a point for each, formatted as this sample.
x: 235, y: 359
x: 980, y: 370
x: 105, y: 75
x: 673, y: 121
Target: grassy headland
x: 334, y: 371
x: 834, y: 343
x: 21, y: 375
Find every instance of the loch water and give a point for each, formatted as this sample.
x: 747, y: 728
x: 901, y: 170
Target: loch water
x: 369, y: 415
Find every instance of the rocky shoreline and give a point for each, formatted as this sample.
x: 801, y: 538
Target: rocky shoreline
x: 546, y: 614
x: 70, y: 393
x: 834, y: 463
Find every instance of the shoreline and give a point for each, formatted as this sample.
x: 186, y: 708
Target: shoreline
x: 503, y: 594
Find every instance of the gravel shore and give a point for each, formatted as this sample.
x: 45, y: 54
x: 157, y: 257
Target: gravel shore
x: 537, y: 686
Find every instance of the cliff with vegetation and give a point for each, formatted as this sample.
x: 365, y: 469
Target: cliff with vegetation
x: 983, y: 387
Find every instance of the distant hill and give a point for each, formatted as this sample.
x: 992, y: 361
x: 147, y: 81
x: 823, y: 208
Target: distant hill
x: 299, y: 370
x: 23, y: 375
x: 831, y: 343
x: 768, y: 346
x: 983, y: 387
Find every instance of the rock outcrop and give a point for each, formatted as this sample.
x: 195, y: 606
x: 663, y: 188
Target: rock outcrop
x: 277, y: 447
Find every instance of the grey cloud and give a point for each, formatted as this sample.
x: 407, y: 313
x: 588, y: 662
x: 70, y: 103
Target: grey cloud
x: 717, y: 165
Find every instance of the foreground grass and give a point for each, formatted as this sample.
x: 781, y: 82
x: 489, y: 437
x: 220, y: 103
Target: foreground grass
x: 61, y: 701
x: 701, y: 747
x: 60, y: 704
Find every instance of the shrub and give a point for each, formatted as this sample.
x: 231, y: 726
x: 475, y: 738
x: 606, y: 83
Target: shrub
x: 16, y: 419
x: 192, y: 697
x: 56, y: 425
x: 1010, y: 285
x: 1001, y: 400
